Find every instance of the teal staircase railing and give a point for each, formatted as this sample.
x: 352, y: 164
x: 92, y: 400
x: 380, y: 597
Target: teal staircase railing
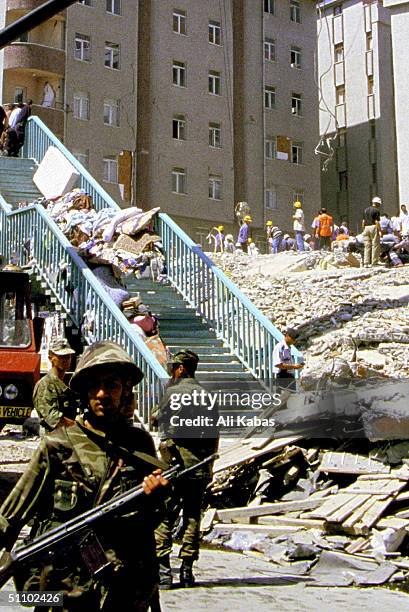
x: 39, y: 138
x: 250, y: 336
x: 248, y: 333
x: 51, y: 252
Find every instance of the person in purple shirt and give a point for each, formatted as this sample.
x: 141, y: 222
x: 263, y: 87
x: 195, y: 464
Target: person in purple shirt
x: 244, y: 233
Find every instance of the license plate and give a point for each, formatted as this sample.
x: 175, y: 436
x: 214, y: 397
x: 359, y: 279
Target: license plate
x: 14, y: 412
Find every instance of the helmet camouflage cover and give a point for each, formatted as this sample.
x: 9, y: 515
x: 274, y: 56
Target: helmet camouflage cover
x: 100, y: 354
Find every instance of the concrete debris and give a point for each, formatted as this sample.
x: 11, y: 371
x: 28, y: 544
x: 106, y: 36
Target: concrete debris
x: 341, y: 311
x: 346, y: 525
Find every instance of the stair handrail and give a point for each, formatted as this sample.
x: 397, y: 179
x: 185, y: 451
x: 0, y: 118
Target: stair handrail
x: 37, y: 140
x: 52, y: 253
x: 248, y: 332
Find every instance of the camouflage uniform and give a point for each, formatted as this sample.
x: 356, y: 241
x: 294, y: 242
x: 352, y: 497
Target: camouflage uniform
x: 73, y: 470
x: 188, y: 493
x: 52, y: 399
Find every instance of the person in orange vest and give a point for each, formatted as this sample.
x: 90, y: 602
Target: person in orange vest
x: 325, y: 229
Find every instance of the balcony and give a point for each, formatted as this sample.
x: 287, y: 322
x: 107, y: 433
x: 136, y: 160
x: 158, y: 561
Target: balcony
x: 17, y: 8
x: 31, y: 57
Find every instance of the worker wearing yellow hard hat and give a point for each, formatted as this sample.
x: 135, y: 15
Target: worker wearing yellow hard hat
x: 244, y: 234
x: 299, y: 226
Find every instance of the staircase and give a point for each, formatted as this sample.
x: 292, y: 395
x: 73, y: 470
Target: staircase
x: 200, y: 308
x: 16, y: 180
x: 181, y: 327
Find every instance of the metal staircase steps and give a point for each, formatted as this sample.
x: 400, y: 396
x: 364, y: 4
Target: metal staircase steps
x: 16, y: 180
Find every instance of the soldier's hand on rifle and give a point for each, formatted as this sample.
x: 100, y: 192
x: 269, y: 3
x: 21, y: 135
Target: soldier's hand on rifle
x: 153, y: 481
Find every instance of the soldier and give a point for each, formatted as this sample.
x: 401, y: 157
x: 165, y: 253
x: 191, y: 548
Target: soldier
x: 52, y: 399
x: 187, y: 445
x: 82, y: 464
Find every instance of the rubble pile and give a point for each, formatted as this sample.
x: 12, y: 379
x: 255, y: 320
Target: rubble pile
x: 357, y: 314
x: 336, y: 513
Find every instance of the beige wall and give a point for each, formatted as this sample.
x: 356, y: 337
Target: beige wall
x: 101, y: 82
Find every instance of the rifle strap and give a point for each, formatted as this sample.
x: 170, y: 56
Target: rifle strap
x: 130, y: 456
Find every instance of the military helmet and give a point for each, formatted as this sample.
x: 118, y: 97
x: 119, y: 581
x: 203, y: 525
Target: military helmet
x: 104, y: 353
x: 184, y: 357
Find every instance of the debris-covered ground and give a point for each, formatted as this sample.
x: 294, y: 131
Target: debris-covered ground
x: 358, y: 314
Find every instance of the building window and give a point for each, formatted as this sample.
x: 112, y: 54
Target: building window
x: 338, y: 9
x: 215, y: 33
x: 298, y: 196
x: 269, y: 6
x: 82, y: 50
x: 114, y: 7
x: 179, y: 74
x: 270, y: 97
x: 270, y: 49
x: 295, y: 57
x: 339, y: 52
x: 81, y: 106
x: 296, y: 104
x: 215, y: 187
x: 270, y: 199
x: 296, y: 152
x: 19, y: 95
x: 179, y: 127
x: 178, y: 180
x: 370, y: 86
x: 270, y: 148
x: 340, y: 94
x: 83, y: 158
x: 214, y: 83
x: 295, y: 11
x: 112, y: 55
x: 215, y: 135
x: 110, y: 169
x: 343, y: 180
x: 179, y: 22
x: 369, y: 41
x: 111, y: 112
x: 85, y: 2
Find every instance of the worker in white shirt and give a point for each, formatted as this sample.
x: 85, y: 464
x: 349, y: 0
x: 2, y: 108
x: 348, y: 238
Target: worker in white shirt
x: 283, y: 361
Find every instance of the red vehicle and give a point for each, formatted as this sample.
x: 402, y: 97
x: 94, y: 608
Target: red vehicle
x: 20, y: 342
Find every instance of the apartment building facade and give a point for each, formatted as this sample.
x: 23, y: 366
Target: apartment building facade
x: 190, y: 106
x: 357, y: 122
x: 399, y: 12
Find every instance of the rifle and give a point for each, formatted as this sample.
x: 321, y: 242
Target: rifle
x: 80, y: 528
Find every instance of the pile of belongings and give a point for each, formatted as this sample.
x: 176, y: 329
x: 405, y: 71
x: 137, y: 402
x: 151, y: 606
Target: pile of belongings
x: 121, y: 238
x: 146, y: 325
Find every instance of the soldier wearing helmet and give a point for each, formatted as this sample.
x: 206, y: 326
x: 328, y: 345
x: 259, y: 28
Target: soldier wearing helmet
x: 81, y: 464
x: 184, y: 441
x: 52, y: 399
x: 244, y: 233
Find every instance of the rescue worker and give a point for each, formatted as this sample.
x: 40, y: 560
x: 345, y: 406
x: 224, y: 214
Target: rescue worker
x: 186, y: 445
x: 219, y: 239
x: 325, y: 230
x: 299, y: 226
x: 52, y: 398
x: 283, y: 361
x: 269, y: 225
x: 80, y: 465
x: 244, y: 233
x: 372, y: 233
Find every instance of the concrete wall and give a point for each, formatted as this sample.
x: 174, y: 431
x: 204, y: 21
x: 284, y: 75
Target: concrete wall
x: 158, y: 151
x: 101, y: 82
x: 400, y: 34
x: 368, y: 159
